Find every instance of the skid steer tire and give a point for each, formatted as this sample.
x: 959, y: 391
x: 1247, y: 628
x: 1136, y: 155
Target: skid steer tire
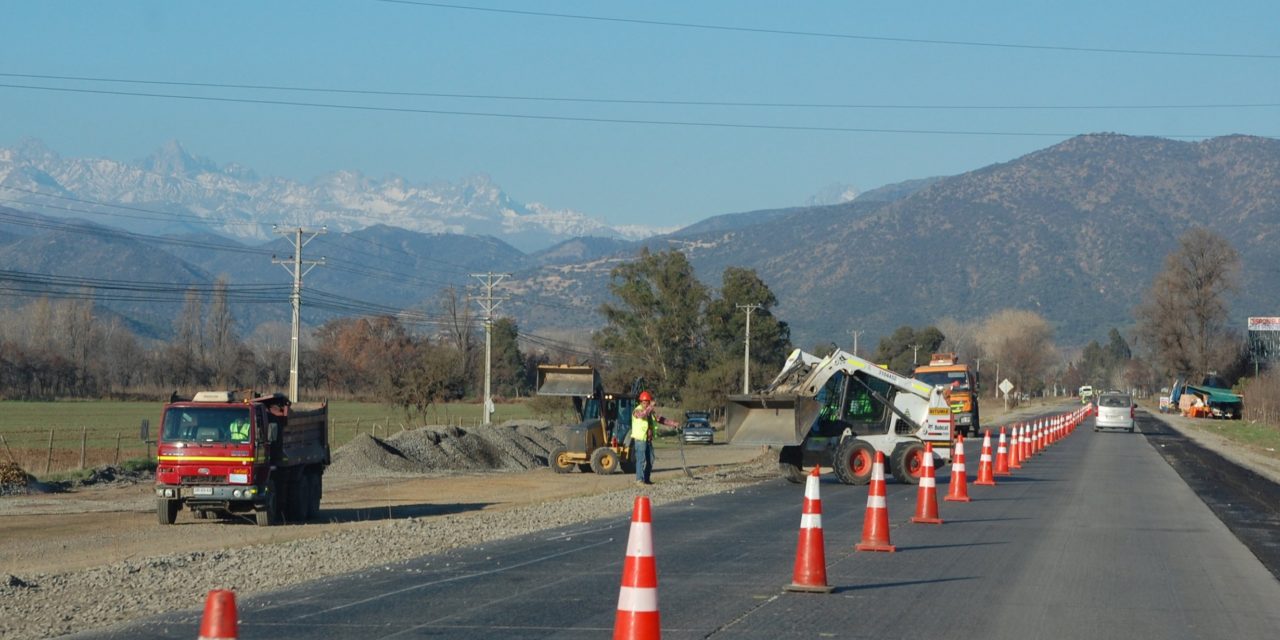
x: 558, y: 460
x: 790, y: 461
x: 854, y: 459
x: 604, y: 461
x: 908, y: 462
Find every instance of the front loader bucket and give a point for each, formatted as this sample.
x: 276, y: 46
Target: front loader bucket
x: 777, y: 420
x: 567, y: 380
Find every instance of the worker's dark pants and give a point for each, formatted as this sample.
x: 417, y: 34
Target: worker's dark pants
x: 644, y: 459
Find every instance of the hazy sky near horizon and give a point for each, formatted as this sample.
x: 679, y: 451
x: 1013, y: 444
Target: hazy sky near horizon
x: 587, y: 105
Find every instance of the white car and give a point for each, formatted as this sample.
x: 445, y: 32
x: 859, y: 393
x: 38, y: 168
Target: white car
x: 1115, y: 411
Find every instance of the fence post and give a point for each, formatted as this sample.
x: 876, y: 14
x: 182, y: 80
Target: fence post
x: 84, y: 441
x: 117, y: 459
x: 48, y: 461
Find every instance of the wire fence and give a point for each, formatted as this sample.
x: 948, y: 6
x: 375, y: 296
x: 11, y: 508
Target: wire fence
x: 62, y: 449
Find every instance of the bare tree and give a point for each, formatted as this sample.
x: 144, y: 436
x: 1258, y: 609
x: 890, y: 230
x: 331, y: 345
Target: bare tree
x: 1021, y: 342
x: 459, y: 329
x: 224, y: 345
x: 1183, y: 320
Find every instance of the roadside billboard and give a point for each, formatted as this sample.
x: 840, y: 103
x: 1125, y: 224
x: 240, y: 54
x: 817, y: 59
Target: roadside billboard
x: 1264, y: 338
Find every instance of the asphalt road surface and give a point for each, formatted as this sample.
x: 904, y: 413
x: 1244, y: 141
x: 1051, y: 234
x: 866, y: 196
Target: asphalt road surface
x: 1097, y: 537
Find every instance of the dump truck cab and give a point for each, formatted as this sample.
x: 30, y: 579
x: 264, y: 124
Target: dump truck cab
x: 960, y: 386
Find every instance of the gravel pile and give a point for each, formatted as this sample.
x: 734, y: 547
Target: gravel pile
x: 45, y: 605
x: 511, y: 446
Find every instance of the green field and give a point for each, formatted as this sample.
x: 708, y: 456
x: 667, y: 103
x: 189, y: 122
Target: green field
x: 46, y: 437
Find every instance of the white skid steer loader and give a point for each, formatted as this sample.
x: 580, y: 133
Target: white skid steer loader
x: 838, y: 411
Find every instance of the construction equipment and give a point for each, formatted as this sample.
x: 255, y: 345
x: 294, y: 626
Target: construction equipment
x: 601, y: 441
x: 960, y: 385
x: 273, y: 467
x: 839, y: 411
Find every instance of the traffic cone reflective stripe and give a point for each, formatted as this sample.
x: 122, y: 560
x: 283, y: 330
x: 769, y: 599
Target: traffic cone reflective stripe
x: 986, y: 472
x: 927, y: 493
x: 219, y: 621
x: 959, y: 489
x: 810, y: 573
x: 637, y: 617
x: 1002, y: 456
x: 1015, y: 448
x: 875, y: 525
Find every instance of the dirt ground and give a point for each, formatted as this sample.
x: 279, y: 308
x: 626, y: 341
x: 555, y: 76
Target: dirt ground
x: 99, y: 525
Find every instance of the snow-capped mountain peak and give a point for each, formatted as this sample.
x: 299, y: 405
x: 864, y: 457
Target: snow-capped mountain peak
x: 177, y: 181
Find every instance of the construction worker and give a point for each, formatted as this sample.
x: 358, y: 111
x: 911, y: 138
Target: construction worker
x: 644, y: 419
x: 240, y: 429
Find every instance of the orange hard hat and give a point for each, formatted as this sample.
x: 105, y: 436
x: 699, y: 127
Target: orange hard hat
x: 645, y: 396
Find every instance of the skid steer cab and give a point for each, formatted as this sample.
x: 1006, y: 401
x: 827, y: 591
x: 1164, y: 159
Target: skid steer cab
x: 839, y: 411
x: 601, y: 440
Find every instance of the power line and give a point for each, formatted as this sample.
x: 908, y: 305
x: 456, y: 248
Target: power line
x: 583, y: 119
x: 649, y: 102
x: 840, y: 36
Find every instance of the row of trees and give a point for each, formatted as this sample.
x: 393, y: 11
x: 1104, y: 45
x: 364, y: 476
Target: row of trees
x: 663, y: 325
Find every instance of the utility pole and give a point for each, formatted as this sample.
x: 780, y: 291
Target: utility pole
x: 746, y: 350
x: 856, y: 333
x: 294, y: 266
x: 488, y: 304
x: 915, y: 352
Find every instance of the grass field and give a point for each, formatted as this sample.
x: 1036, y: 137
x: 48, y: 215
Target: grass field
x: 47, y: 437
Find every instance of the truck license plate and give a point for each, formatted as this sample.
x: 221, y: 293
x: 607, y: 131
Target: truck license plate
x: 203, y: 491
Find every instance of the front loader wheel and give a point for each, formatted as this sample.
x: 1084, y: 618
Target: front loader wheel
x: 790, y: 463
x: 604, y: 461
x: 908, y: 462
x: 559, y: 460
x: 854, y: 460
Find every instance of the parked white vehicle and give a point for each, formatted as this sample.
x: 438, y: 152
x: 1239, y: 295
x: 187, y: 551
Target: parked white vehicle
x: 1115, y: 411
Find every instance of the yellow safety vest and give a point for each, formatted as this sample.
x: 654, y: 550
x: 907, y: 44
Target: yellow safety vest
x: 641, y: 428
x: 240, y: 431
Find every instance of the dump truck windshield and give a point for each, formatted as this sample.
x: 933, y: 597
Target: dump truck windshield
x: 213, y: 425
x: 943, y: 378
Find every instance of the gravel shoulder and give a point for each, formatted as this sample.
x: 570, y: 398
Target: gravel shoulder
x: 62, y: 552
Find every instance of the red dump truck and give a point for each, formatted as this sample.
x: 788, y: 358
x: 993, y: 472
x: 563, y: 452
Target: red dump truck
x: 223, y: 453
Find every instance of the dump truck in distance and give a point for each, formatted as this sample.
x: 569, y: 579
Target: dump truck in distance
x: 960, y: 386
x: 221, y: 453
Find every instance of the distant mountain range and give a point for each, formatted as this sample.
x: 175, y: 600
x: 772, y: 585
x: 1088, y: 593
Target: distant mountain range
x: 1075, y: 231
x: 199, y: 194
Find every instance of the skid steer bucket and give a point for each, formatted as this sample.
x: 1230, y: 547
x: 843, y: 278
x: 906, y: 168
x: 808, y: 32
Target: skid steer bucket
x: 567, y: 380
x: 781, y: 419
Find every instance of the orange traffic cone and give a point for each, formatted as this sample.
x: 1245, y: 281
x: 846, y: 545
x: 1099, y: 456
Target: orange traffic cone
x: 986, y: 473
x: 1002, y: 456
x: 810, y: 574
x: 875, y: 526
x: 219, y: 621
x: 638, y: 598
x: 927, y: 494
x: 959, y: 488
x: 1015, y: 449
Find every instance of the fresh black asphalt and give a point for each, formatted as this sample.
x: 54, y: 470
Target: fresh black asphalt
x: 1097, y: 537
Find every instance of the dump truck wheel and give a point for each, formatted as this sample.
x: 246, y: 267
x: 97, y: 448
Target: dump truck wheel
x: 167, y: 510
x: 558, y: 460
x: 295, y: 502
x: 315, y: 487
x: 908, y: 462
x: 604, y: 461
x: 789, y: 464
x: 853, y: 462
x: 265, y: 514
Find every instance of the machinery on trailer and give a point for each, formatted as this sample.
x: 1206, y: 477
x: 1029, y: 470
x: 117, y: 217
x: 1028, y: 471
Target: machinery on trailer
x: 601, y: 441
x: 221, y: 452
x: 839, y: 411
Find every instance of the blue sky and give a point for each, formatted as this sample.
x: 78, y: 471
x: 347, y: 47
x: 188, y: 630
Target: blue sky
x: 629, y: 173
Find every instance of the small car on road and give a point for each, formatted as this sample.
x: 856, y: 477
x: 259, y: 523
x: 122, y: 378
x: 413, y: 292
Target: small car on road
x: 1115, y: 411
x: 697, y: 428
